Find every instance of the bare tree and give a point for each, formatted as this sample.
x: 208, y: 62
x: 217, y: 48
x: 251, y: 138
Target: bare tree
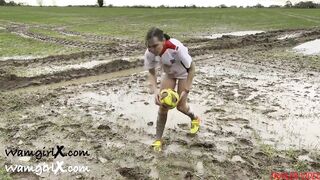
x: 259, y: 6
x: 100, y: 3
x: 288, y: 4
x: 222, y: 6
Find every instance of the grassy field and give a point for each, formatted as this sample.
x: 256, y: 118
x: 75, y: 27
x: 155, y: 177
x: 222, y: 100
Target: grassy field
x: 14, y: 45
x: 133, y: 22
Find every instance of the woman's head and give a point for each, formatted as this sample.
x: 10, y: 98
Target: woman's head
x: 155, y: 40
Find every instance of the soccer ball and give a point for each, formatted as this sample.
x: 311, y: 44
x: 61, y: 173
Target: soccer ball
x: 169, y: 97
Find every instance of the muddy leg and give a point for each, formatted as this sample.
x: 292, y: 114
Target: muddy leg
x: 183, y: 106
x: 161, y: 122
x: 163, y: 112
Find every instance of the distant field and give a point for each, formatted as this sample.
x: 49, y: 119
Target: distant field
x: 13, y: 45
x: 133, y: 22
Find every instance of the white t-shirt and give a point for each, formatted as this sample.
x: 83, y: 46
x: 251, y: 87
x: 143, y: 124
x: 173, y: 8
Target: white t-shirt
x: 174, y: 59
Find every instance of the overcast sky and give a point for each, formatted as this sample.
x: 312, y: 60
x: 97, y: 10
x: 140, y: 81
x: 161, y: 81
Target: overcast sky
x: 161, y: 2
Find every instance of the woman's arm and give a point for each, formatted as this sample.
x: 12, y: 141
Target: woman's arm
x: 153, y: 85
x: 187, y: 63
x: 185, y: 91
x: 153, y: 80
x: 191, y: 72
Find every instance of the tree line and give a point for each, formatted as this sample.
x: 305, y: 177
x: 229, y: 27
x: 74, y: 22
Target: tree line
x: 10, y: 3
x: 288, y: 4
x: 301, y: 4
x: 101, y: 3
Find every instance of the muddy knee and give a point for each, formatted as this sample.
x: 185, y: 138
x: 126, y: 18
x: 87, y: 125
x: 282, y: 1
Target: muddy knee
x: 182, y: 108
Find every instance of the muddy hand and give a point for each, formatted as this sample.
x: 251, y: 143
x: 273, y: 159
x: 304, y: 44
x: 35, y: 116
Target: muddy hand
x: 157, y: 99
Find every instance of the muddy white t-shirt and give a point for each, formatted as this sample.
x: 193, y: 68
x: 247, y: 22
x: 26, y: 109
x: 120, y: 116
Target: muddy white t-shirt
x: 174, y: 59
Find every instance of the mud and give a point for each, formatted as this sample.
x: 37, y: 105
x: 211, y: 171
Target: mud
x: 8, y: 82
x: 258, y: 101
x: 27, y: 70
x: 22, y: 58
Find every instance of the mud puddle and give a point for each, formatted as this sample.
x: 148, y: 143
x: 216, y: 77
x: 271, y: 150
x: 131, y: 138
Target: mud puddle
x: 276, y: 103
x: 22, y: 58
x: 14, y: 81
x: 127, y: 104
x: 65, y: 67
x: 83, y: 80
x: 290, y: 36
x: 54, y: 69
x: 236, y: 33
x: 309, y: 48
x: 259, y: 108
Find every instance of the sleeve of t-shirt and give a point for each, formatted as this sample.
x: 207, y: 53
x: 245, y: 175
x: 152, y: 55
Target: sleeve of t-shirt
x: 149, y: 60
x: 184, y: 56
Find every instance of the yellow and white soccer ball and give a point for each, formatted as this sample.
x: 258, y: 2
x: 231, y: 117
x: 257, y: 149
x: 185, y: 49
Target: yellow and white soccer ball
x: 169, y: 97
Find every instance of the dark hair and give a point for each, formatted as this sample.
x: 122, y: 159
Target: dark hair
x: 156, y: 32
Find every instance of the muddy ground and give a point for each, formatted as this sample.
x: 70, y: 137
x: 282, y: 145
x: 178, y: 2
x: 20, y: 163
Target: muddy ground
x: 258, y: 101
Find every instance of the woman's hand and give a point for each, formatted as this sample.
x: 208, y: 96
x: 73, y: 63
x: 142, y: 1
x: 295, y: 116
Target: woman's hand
x: 157, y: 99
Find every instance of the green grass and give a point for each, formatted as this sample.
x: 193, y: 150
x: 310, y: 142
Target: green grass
x: 53, y: 33
x: 134, y: 22
x: 14, y: 45
x: 46, y: 32
x: 4, y: 175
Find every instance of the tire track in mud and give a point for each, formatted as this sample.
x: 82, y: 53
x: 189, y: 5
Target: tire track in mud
x: 9, y: 82
x: 198, y: 48
x: 303, y: 17
x: 94, y: 37
x: 260, y: 41
x: 115, y: 46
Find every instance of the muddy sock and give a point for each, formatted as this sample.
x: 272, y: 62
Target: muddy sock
x: 161, y: 122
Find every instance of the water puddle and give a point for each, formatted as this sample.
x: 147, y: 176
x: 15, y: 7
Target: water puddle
x: 135, y: 110
x: 19, y: 58
x: 67, y: 34
x: 290, y: 36
x: 53, y: 69
x: 236, y: 33
x: 309, y: 48
x: 83, y: 80
x: 281, y: 107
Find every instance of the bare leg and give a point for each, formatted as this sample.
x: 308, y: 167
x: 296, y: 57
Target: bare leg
x: 183, y: 106
x: 163, y: 112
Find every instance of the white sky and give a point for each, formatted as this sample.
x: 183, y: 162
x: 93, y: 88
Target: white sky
x: 161, y: 2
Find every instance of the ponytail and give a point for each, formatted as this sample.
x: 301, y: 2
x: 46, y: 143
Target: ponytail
x: 166, y: 36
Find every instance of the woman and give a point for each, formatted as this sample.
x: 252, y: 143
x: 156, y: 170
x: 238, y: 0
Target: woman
x: 177, y: 67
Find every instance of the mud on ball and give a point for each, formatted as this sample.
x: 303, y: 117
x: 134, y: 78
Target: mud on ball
x: 169, y: 97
